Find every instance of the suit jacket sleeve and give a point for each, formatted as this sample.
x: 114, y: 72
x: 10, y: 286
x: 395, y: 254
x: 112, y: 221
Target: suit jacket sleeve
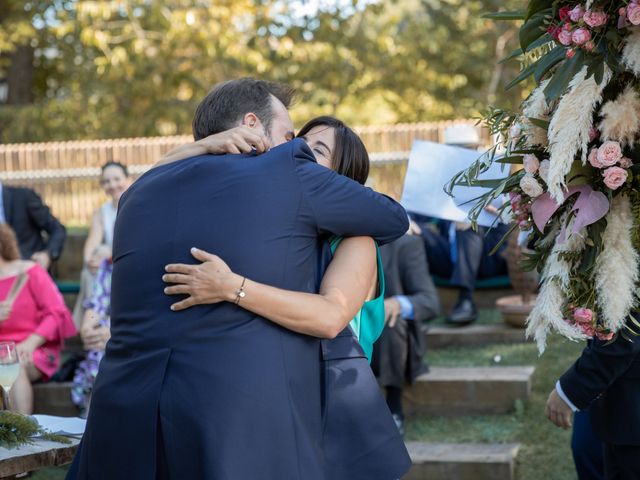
x: 342, y: 206
x: 417, y: 284
x: 597, y: 368
x: 41, y: 216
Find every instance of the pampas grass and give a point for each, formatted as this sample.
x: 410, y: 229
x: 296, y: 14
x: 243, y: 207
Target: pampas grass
x: 617, y: 266
x: 621, y: 117
x: 547, y: 314
x: 569, y: 128
x: 536, y: 107
x: 631, y: 52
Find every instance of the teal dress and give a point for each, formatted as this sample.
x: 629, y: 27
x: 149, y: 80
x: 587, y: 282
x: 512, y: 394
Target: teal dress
x: 368, y: 323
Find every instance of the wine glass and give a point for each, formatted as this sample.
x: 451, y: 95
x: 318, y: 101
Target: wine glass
x: 9, y: 367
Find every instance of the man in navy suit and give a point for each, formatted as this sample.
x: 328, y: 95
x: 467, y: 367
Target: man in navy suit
x: 215, y: 392
x: 606, y: 381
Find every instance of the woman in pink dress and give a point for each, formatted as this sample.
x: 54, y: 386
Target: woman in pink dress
x: 33, y: 315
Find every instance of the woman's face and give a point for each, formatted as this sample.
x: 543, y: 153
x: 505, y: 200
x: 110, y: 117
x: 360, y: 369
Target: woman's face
x: 114, y: 182
x: 322, y: 142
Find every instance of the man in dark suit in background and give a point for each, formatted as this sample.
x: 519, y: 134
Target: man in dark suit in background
x: 31, y: 219
x: 606, y: 381
x: 411, y: 298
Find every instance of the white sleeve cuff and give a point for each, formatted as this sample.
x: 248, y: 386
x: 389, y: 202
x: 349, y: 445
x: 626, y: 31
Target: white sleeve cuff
x: 564, y: 397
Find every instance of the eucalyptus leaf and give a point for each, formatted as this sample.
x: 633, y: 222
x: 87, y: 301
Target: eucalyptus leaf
x: 513, y: 15
x: 532, y: 30
x: 548, y: 61
x: 563, y: 76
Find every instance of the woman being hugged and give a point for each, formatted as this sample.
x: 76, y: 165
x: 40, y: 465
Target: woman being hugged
x: 33, y: 315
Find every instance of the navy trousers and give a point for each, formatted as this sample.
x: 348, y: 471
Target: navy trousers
x: 586, y: 448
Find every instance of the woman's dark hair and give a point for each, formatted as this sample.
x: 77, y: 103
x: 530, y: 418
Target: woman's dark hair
x: 113, y: 163
x: 229, y: 101
x: 350, y: 157
x: 8, y: 243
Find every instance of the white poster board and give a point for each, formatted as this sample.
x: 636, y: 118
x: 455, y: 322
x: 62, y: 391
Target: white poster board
x: 431, y: 166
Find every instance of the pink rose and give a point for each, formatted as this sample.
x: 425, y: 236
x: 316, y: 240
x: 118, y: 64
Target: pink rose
x: 609, y: 153
x: 553, y: 30
x: 593, y: 134
x: 622, y: 12
x: 589, y: 46
x: 531, y: 163
x: 614, y: 177
x: 587, y: 329
x: 583, y: 315
x: 625, y: 162
x: 571, y: 53
x: 593, y: 158
x: 576, y: 13
x: 564, y: 13
x: 605, y: 336
x: 581, y: 36
x: 564, y: 37
x: 633, y: 13
x: 595, y: 18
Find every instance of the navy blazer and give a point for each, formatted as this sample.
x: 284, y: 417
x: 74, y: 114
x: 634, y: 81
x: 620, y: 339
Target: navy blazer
x: 216, y: 392
x: 606, y: 380
x: 29, y: 217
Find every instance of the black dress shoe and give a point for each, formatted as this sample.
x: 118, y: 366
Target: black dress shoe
x: 399, y: 421
x: 463, y: 313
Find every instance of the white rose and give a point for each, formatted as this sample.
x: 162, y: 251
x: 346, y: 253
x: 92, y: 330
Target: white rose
x: 530, y: 186
x: 543, y: 171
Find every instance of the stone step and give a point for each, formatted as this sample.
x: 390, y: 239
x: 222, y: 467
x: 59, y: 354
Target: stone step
x: 462, y: 461
x: 473, y: 335
x: 53, y: 398
x: 468, y: 391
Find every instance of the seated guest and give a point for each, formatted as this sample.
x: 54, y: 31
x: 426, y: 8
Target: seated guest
x: 95, y: 332
x: 455, y: 251
x: 40, y: 235
x: 410, y: 299
x: 33, y: 315
x: 114, y: 180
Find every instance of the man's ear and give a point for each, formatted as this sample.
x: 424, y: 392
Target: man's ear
x: 251, y: 120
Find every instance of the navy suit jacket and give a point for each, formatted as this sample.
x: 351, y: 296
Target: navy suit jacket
x: 215, y: 392
x: 606, y: 380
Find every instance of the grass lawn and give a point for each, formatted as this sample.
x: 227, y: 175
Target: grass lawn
x: 545, y: 453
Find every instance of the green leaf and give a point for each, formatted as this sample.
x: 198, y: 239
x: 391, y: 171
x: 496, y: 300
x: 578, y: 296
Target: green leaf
x: 504, y: 16
x: 548, y: 61
x: 544, y: 124
x: 524, y: 74
x: 537, y: 5
x: 563, y: 76
x: 511, y: 56
x: 513, y: 160
x: 532, y: 30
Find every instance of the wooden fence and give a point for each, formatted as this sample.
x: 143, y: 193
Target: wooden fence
x: 65, y: 173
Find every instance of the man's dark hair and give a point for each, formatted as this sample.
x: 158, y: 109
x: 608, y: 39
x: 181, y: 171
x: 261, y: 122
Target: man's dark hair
x: 228, y: 102
x: 350, y: 157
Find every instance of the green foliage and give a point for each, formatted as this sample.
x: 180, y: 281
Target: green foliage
x: 138, y: 68
x: 17, y: 429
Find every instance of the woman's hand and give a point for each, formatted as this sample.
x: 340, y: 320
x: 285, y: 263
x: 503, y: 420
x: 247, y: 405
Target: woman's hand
x: 26, y: 348
x: 212, y: 281
x: 240, y: 139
